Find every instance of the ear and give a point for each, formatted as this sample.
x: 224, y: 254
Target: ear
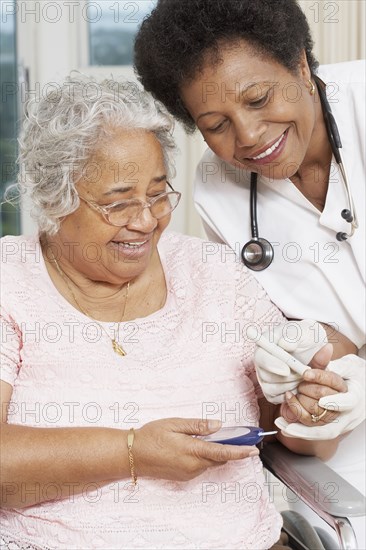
x: 304, y: 69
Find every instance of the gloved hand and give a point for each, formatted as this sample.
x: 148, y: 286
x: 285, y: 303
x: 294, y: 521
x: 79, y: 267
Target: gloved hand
x: 350, y: 405
x: 300, y: 338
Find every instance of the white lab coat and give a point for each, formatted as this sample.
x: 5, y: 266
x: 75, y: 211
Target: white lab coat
x: 312, y: 274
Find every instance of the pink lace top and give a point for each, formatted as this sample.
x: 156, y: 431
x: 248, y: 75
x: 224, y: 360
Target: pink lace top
x: 189, y: 359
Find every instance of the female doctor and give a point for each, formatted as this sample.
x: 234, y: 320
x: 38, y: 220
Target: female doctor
x: 283, y: 179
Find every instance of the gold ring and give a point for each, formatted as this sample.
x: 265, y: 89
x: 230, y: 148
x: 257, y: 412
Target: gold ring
x: 317, y: 417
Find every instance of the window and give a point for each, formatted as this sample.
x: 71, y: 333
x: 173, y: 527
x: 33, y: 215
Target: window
x: 112, y: 29
x: 9, y: 224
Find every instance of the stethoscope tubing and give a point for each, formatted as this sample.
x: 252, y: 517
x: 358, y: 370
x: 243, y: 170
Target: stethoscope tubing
x: 336, y: 145
x: 253, y: 205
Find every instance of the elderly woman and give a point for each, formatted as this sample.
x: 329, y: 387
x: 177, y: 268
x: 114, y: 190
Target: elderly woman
x: 243, y: 73
x: 110, y: 363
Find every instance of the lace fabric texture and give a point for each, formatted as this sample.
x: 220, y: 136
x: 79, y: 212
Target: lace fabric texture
x: 8, y: 543
x: 189, y: 359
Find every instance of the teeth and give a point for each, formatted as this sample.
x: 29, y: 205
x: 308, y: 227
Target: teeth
x: 132, y: 245
x: 269, y: 150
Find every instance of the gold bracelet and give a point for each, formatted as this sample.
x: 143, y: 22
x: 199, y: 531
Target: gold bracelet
x: 130, y: 440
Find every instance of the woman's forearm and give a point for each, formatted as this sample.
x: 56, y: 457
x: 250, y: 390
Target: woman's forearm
x: 40, y: 464
x: 322, y: 449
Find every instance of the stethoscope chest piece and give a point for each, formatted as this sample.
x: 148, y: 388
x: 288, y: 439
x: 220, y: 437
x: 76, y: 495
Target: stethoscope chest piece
x: 257, y: 254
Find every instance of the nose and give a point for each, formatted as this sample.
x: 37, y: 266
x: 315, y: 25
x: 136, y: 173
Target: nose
x: 248, y: 131
x: 144, y: 221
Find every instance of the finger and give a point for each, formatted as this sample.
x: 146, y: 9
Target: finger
x: 304, y: 410
x: 315, y: 391
x: 322, y: 357
x: 194, y: 426
x: 310, y: 433
x: 222, y: 453
x: 292, y: 412
x: 295, y: 412
x: 294, y: 334
x: 349, y: 367
x: 281, y: 423
x: 200, y: 464
x: 288, y: 345
x: 315, y: 408
x: 340, y: 402
x: 326, y: 378
x: 309, y: 404
x: 272, y: 378
x: 266, y: 362
x: 300, y: 408
x: 298, y: 413
x: 288, y: 413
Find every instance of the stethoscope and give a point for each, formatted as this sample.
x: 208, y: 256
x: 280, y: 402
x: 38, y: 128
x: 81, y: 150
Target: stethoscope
x: 257, y: 254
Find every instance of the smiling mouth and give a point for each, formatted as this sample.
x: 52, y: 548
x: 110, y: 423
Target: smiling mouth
x: 270, y: 150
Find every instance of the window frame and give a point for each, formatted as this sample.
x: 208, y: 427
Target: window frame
x: 10, y: 216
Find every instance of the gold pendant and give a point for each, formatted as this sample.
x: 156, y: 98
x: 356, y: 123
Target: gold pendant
x: 118, y: 349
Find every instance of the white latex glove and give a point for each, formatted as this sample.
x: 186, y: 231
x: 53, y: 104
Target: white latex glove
x: 300, y: 338
x: 350, y: 405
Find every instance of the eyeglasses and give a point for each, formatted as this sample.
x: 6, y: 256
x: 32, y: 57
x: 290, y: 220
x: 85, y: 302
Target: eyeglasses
x: 123, y: 212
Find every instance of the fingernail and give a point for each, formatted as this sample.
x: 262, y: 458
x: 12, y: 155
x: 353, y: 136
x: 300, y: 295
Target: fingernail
x: 254, y: 453
x: 309, y: 375
x: 288, y: 395
x: 214, y: 424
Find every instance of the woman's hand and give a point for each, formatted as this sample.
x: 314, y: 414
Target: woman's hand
x: 165, y: 449
x: 317, y: 383
x: 346, y: 406
x: 304, y: 407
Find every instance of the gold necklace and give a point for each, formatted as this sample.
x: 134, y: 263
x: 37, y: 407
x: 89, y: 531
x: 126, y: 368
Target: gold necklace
x: 117, y: 348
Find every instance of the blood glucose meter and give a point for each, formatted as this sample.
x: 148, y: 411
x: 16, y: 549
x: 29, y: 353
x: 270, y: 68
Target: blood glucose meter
x: 238, y: 435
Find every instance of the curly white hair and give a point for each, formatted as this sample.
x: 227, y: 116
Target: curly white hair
x: 67, y: 125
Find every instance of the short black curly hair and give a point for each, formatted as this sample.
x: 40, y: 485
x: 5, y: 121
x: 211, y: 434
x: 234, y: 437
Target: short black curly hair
x: 174, y: 40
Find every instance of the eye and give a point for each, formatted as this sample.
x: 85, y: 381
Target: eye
x: 120, y: 206
x: 261, y: 101
x: 156, y: 194
x: 218, y: 128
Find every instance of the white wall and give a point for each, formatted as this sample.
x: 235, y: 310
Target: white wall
x: 52, y: 40
x: 338, y: 28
